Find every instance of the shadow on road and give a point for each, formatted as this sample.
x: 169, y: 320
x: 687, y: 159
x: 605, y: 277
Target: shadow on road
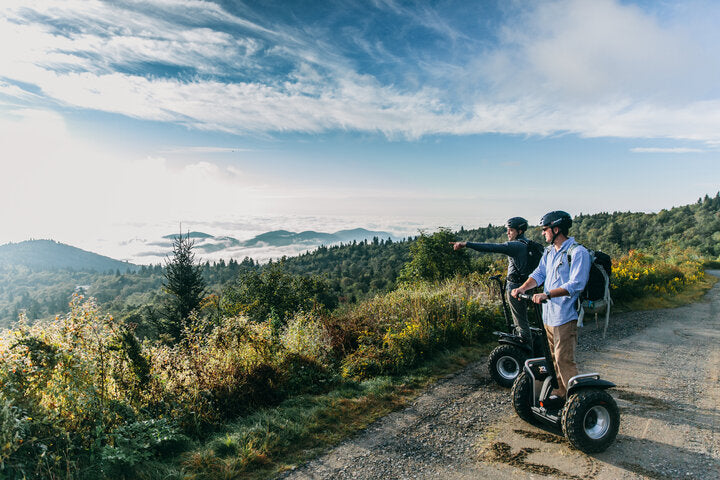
x: 674, y: 412
x: 660, y: 461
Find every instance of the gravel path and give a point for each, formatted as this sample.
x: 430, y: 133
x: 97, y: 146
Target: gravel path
x: 666, y: 364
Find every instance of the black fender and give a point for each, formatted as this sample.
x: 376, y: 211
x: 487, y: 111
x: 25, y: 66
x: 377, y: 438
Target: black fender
x: 510, y: 339
x: 590, y: 380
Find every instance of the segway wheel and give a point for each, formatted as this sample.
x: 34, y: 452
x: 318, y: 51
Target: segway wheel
x: 591, y: 420
x: 505, y: 363
x: 522, y: 397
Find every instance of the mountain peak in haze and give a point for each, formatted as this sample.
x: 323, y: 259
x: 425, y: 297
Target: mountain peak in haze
x: 49, y: 254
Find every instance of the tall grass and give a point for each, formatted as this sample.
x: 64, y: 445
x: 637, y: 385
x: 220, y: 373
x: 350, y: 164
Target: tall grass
x: 396, y: 331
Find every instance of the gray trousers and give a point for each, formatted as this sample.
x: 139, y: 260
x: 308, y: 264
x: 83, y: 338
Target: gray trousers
x: 518, y: 309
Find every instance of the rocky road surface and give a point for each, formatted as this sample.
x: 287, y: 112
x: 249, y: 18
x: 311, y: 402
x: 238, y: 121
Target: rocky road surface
x: 666, y: 364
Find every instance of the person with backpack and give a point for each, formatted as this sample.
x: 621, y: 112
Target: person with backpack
x: 563, y: 281
x: 523, y: 257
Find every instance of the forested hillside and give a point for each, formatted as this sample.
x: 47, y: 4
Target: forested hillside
x: 44, y: 293
x: 368, y: 267
x: 356, y: 270
x: 694, y: 226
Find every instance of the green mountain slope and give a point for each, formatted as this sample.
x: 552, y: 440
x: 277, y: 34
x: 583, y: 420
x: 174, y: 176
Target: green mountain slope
x: 51, y: 255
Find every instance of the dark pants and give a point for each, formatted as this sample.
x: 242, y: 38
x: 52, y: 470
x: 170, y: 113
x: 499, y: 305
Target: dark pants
x: 518, y: 309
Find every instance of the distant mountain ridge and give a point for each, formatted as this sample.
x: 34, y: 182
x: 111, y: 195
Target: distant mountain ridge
x: 49, y: 254
x: 282, y: 238
x: 277, y: 238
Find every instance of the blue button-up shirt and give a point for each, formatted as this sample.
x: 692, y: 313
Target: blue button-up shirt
x: 555, y: 271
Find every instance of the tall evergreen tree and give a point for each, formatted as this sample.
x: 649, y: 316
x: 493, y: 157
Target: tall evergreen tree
x: 184, y: 286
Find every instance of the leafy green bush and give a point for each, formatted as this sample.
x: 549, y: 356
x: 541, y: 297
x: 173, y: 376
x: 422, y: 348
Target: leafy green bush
x: 133, y: 444
x: 433, y: 259
x: 13, y: 433
x: 100, y: 400
x: 713, y: 264
x: 302, y: 374
x: 305, y: 335
x: 259, y: 294
x: 215, y: 373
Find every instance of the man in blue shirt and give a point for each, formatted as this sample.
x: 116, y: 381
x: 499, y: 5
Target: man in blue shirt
x: 516, y: 248
x: 562, y: 282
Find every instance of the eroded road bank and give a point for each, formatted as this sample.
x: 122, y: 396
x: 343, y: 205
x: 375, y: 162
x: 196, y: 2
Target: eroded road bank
x: 666, y: 364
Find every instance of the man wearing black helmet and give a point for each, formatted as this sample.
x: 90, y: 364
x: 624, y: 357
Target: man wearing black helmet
x: 516, y: 248
x: 562, y: 281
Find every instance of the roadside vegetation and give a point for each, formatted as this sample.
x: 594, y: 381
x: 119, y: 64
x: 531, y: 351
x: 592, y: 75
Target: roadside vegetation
x: 265, y: 372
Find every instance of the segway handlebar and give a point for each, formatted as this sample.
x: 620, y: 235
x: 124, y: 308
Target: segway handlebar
x: 501, y: 286
x: 499, y: 282
x: 528, y: 298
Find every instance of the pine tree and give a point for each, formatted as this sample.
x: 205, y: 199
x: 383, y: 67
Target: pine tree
x: 184, y: 286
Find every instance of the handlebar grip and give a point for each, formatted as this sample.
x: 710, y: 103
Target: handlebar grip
x: 495, y: 277
x: 525, y: 296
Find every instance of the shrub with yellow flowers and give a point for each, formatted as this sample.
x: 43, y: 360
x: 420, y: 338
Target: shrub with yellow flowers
x: 637, y: 274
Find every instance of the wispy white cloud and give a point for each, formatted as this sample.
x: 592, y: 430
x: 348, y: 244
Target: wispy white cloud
x: 582, y: 50
x: 15, y: 93
x: 98, y: 37
x: 666, y: 150
x: 196, y: 150
x: 595, y: 68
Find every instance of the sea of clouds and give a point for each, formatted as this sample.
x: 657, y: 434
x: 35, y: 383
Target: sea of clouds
x: 143, y: 244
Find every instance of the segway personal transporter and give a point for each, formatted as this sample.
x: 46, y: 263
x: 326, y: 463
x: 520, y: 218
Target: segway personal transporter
x: 589, y: 418
x: 507, y: 359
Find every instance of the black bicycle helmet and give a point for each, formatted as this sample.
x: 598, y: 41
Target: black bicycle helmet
x: 518, y: 223
x: 558, y: 218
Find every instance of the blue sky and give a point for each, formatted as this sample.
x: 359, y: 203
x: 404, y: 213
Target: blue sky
x: 123, y: 119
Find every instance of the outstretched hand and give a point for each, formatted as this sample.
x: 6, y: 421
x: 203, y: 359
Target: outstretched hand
x: 458, y: 245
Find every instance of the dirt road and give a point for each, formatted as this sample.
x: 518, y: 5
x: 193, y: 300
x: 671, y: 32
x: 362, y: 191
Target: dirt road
x: 666, y: 364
